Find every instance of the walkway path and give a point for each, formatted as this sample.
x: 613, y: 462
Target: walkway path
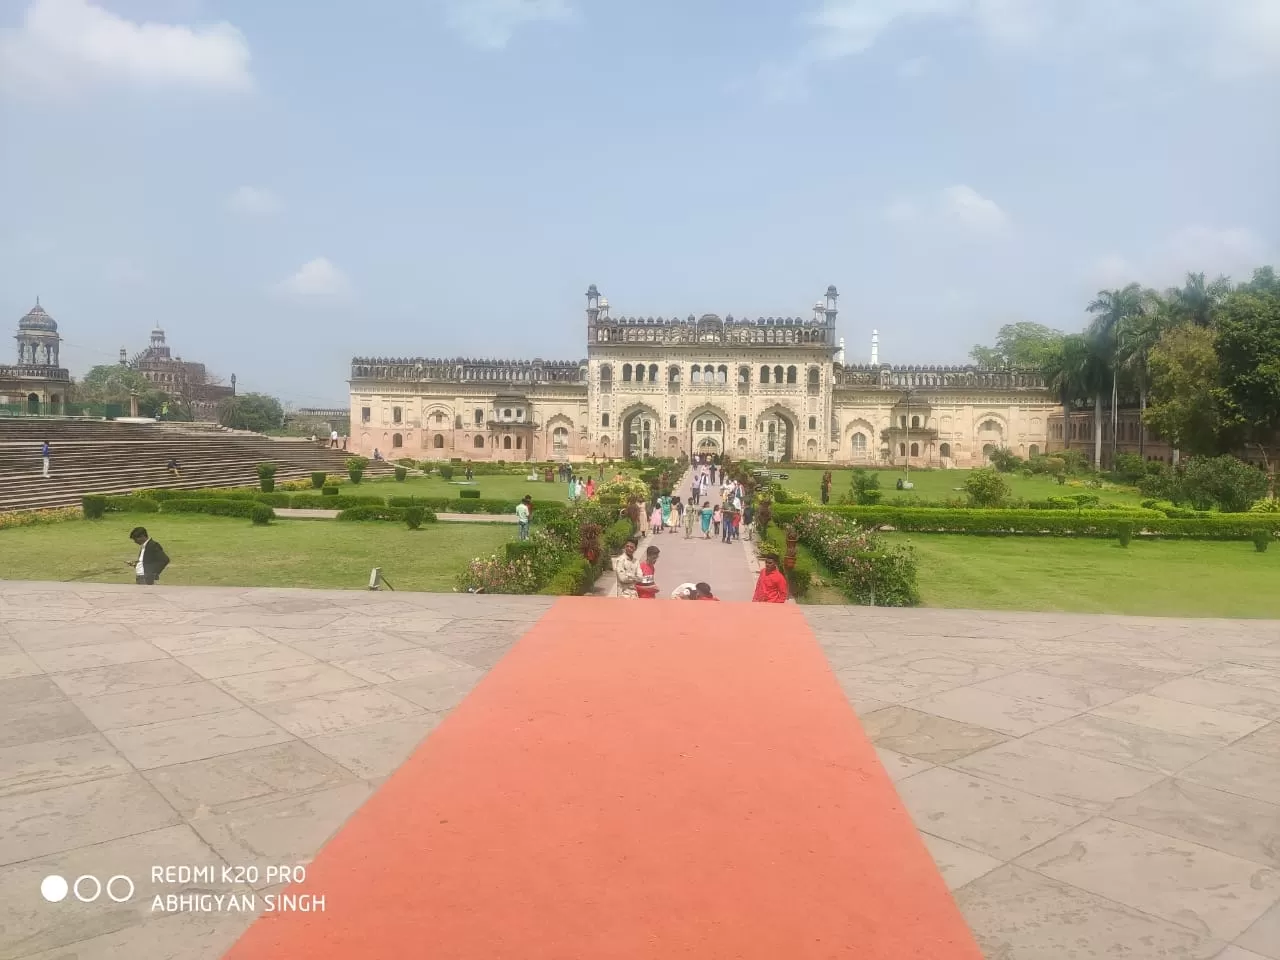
x: 730, y: 568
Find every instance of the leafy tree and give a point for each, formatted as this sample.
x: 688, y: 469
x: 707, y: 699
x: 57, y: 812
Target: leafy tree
x: 1248, y: 349
x: 1005, y: 460
x: 866, y: 487
x: 1225, y: 482
x: 251, y: 411
x: 1196, y: 301
x: 1113, y: 312
x: 986, y: 488
x: 112, y: 383
x: 1184, y: 405
x: 1064, y: 370
x: 1264, y: 281
x: 1019, y: 346
x: 1135, y: 339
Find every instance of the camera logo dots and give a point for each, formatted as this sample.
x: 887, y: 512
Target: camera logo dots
x: 54, y: 889
x: 87, y: 888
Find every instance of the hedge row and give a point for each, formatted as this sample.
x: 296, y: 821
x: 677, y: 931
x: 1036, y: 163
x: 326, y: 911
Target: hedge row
x: 384, y: 513
x: 139, y: 502
x: 95, y: 506
x: 1061, y: 523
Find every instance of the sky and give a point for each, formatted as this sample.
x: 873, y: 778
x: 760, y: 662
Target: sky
x: 283, y: 186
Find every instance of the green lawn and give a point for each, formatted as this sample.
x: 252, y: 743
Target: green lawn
x: 1150, y: 578
x: 942, y: 484
x: 497, y: 487
x: 222, y: 551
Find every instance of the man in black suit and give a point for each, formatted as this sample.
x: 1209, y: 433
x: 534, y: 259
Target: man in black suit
x: 151, y: 557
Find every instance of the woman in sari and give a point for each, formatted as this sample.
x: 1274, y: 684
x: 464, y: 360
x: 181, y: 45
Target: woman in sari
x: 664, y: 504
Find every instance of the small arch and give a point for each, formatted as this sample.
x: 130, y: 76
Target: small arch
x: 639, y: 373
x: 813, y: 376
x: 915, y: 422
x: 915, y: 449
x: 438, y: 441
x: 860, y: 443
x: 606, y: 373
x: 944, y: 450
x: 744, y: 375
x: 478, y: 442
x: 626, y: 373
x: 695, y: 374
x: 791, y: 374
x: 506, y: 443
x: 397, y: 440
x: 902, y: 449
x: 397, y: 415
x: 813, y: 423
x: 722, y: 374
x: 653, y: 373
x: 671, y: 422
x: 764, y: 374
x: 1033, y: 450
x: 778, y: 374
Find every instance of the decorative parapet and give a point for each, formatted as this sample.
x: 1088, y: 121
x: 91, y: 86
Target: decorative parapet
x: 711, y: 329
x: 468, y: 370
x: 933, y: 376
x: 36, y: 371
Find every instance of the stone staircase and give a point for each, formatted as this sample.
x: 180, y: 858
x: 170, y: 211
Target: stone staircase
x: 113, y: 457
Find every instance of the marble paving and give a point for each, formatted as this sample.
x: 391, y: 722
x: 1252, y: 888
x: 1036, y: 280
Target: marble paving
x: 1088, y: 786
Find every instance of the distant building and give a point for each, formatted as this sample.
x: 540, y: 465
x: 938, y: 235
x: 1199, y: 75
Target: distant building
x: 182, y: 379
x: 321, y: 420
x: 36, y: 384
x: 770, y: 389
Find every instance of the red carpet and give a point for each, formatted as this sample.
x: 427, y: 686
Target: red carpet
x: 635, y: 780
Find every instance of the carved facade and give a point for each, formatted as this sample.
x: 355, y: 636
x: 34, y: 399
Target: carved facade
x: 37, y: 383
x: 763, y: 389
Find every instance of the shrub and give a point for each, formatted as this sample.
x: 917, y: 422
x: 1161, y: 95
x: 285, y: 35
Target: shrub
x: 1075, y: 501
x: 470, y: 493
x: 1226, y: 482
x: 1129, y: 467
x: 866, y: 487
x: 374, y: 513
x: 267, y: 477
x: 1124, y: 530
x: 1261, y: 540
x: 318, y: 479
x: 986, y: 488
x: 356, y: 474
x: 215, y: 507
x: 413, y: 517
x: 1266, y: 505
x: 407, y: 462
x: 261, y: 514
x: 401, y: 473
x: 867, y: 573
x: 131, y: 503
x: 446, y: 471
x: 94, y: 506
x: 355, y: 468
x: 329, y: 491
x: 31, y: 518
x: 616, y: 535
x: 574, y: 578
x: 1005, y: 460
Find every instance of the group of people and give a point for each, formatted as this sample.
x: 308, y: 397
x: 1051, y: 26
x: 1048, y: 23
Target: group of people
x: 580, y: 489
x: 638, y: 578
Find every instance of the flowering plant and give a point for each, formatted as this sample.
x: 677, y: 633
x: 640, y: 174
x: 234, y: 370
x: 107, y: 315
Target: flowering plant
x: 30, y: 518
x: 868, y: 572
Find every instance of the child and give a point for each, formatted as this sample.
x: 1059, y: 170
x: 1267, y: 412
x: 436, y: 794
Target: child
x: 702, y: 591
x: 655, y: 520
x: 715, y: 519
x: 646, y: 586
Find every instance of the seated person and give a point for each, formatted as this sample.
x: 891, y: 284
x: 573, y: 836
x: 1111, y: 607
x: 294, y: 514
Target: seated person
x: 703, y: 592
x: 377, y: 455
x: 686, y: 591
x: 172, y: 467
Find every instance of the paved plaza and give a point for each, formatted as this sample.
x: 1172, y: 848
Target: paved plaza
x: 1088, y: 786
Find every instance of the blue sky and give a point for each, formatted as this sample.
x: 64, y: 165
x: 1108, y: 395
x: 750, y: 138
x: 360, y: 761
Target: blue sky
x: 284, y: 185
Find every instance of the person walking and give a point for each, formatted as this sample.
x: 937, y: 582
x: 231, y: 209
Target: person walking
x: 151, y: 557
x: 333, y: 439
x: 748, y: 515
x: 664, y: 504
x: 591, y: 488
x: 647, y: 585
x: 771, y: 585
x: 626, y: 569
x: 44, y: 456
x: 717, y: 516
x: 655, y: 519
x: 174, y: 470
x: 690, y: 517
x: 524, y: 510
x: 707, y: 514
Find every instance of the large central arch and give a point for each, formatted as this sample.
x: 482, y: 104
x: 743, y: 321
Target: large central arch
x: 640, y: 426
x: 776, y: 431
x: 706, y: 429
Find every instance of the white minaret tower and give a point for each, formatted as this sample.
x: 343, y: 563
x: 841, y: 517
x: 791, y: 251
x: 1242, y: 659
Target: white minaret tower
x: 840, y: 353
x: 875, y: 348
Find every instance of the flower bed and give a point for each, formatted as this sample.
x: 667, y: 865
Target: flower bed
x: 867, y: 572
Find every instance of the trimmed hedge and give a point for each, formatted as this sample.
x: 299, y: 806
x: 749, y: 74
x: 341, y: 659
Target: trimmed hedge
x: 318, y: 479
x: 401, y: 473
x: 573, y: 579
x: 261, y: 514
x: 131, y: 503
x: 375, y: 513
x: 615, y: 536
x: 217, y: 508
x: 1062, y: 523
x: 323, y: 501
x: 471, y: 493
x: 93, y: 505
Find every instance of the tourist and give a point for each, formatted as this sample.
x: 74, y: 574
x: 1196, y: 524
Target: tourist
x: 591, y: 487
x: 173, y: 469
x: 344, y: 441
x: 717, y: 516
x: 635, y: 513
x: 151, y: 557
x: 664, y: 505
x: 704, y: 592
x: 377, y: 454
x: 771, y: 586
x: 647, y: 586
x: 333, y: 439
x: 523, y: 510
x: 626, y: 569
x: 44, y: 455
x: 726, y: 524
x: 573, y: 489
x: 686, y: 591
x: 470, y: 474
x: 690, y: 517
x: 748, y: 514
x: 655, y: 519
x: 707, y: 514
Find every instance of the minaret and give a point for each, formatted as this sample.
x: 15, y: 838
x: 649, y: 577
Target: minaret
x: 124, y: 357
x: 840, y: 352
x: 875, y: 348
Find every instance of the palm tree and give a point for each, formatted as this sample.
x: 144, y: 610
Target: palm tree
x: 1135, y: 338
x: 1112, y: 310
x: 1064, y: 371
x: 1197, y: 301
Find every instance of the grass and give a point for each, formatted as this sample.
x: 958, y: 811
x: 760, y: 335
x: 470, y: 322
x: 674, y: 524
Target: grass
x: 943, y: 484
x: 1174, y: 578
x: 220, y: 551
x: 491, y: 487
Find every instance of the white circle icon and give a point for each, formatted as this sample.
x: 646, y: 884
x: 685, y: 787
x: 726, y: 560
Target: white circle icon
x: 54, y: 888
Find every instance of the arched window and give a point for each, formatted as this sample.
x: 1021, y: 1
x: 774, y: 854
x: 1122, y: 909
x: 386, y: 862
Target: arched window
x: 722, y: 374
x: 604, y: 419
x: 397, y: 414
x: 902, y: 449
x: 902, y: 421
x: 742, y: 423
x: 506, y: 413
x: 860, y: 443
x: 639, y: 373
x: 673, y: 374
x: 626, y: 373
x: 791, y: 374
x: 777, y: 374
x: 672, y: 422
x: 519, y: 443
x: 478, y: 442
x: 717, y: 424
x: 653, y: 373
x: 438, y: 441
x: 397, y: 440
x: 987, y: 450
x: 915, y: 449
x: 438, y: 417
x: 1033, y: 451
x: 479, y: 417
x: 606, y: 373
x: 764, y: 374
x: 695, y: 373
x: 506, y: 443
x: 813, y: 376
x: 744, y: 375
x: 915, y: 422
x: 560, y: 439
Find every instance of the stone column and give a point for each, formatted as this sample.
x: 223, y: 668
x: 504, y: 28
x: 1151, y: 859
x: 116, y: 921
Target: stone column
x: 133, y: 404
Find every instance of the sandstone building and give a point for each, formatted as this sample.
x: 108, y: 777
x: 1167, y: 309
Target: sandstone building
x: 764, y: 389
x: 184, y: 379
x: 36, y: 384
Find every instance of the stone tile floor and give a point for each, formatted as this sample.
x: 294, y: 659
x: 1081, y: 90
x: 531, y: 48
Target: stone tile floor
x: 1089, y: 786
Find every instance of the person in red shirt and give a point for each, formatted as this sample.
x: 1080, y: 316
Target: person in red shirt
x: 646, y: 586
x: 703, y: 592
x: 771, y: 587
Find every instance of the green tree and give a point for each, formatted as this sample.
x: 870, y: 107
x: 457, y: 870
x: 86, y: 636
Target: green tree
x: 1264, y: 281
x: 1196, y: 301
x: 1064, y: 369
x: 1184, y: 406
x: 1113, y: 311
x: 1136, y: 338
x: 1225, y: 482
x: 986, y: 488
x: 251, y: 411
x: 111, y: 383
x: 1019, y: 346
x: 1248, y: 347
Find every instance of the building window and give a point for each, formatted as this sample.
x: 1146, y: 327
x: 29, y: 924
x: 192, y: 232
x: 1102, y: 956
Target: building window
x: 653, y: 373
x: 902, y: 449
x: 695, y: 374
x: 626, y: 373
x: 791, y: 374
x: 397, y: 440
x: 439, y: 417
x: 604, y: 419
x: 506, y: 413
x: 777, y: 374
x: 506, y: 443
x: 742, y: 423
x: 944, y: 450
x: 902, y: 422
x: 639, y: 373
x: 1033, y: 451
x: 722, y: 374
x: 672, y: 422
x: 915, y: 422
x: 813, y: 423
x: 915, y: 449
x: 560, y: 440
x: 813, y: 377
x: 396, y: 414
x: 364, y: 414
x: 519, y: 413
x: 673, y: 374
x: 606, y: 375
x: 479, y: 417
x: 744, y: 376
x: 859, y: 443
x: 519, y: 443
x: 438, y: 441
x: 478, y: 442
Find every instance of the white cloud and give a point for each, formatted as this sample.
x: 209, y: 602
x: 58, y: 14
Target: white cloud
x: 844, y: 28
x: 490, y: 24
x: 254, y: 202
x: 1231, y: 251
x: 958, y: 206
x: 67, y: 45
x: 318, y: 279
